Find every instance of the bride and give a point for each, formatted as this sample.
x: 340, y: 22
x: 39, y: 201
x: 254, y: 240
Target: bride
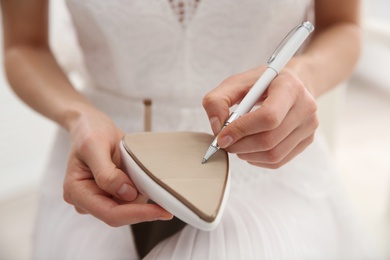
x: 285, y: 201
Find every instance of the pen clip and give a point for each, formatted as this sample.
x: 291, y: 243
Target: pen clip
x: 307, y: 25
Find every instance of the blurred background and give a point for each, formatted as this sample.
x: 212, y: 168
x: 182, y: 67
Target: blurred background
x: 355, y: 119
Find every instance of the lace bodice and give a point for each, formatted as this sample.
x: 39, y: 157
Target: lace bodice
x: 184, y: 10
x: 140, y: 49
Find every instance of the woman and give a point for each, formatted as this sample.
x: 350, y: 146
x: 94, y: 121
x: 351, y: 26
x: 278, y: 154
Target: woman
x: 175, y: 53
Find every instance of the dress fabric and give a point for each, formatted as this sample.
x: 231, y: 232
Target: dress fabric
x: 139, y: 49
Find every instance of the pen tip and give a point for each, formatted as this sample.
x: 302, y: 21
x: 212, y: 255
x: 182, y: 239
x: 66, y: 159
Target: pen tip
x: 204, y: 160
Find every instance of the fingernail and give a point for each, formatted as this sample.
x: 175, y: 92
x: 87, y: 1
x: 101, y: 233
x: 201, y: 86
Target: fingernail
x: 215, y: 124
x: 225, y: 141
x: 165, y: 217
x: 127, y: 192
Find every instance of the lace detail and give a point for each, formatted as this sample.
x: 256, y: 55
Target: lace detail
x: 184, y: 10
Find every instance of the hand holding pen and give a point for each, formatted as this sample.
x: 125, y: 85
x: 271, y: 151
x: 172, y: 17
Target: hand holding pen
x: 284, y: 124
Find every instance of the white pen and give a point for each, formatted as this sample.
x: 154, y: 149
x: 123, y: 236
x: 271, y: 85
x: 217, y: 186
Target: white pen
x: 275, y: 64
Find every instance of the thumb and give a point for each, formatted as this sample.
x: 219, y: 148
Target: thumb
x: 230, y: 92
x: 217, y: 109
x: 108, y: 176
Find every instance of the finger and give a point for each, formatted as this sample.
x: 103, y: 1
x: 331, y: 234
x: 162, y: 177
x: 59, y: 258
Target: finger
x: 263, y: 141
x: 280, y: 99
x: 106, y: 174
x: 141, y: 199
x: 297, y: 150
x: 80, y: 211
x: 277, y: 154
x: 91, y: 199
x: 128, y: 214
x: 230, y: 92
x: 267, y: 140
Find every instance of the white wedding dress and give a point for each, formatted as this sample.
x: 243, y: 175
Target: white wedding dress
x: 139, y: 49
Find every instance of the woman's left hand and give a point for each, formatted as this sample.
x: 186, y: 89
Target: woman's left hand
x: 277, y: 131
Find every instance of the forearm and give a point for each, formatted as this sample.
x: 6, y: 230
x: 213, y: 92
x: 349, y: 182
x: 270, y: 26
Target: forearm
x: 329, y: 57
x: 38, y: 80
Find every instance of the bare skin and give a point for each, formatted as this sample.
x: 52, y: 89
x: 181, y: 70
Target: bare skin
x: 286, y: 122
x: 93, y: 182
x: 268, y: 137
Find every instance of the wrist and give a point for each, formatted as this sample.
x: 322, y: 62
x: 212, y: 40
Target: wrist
x: 73, y: 114
x: 300, y: 65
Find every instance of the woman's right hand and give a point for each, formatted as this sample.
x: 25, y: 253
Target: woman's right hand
x: 95, y: 184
